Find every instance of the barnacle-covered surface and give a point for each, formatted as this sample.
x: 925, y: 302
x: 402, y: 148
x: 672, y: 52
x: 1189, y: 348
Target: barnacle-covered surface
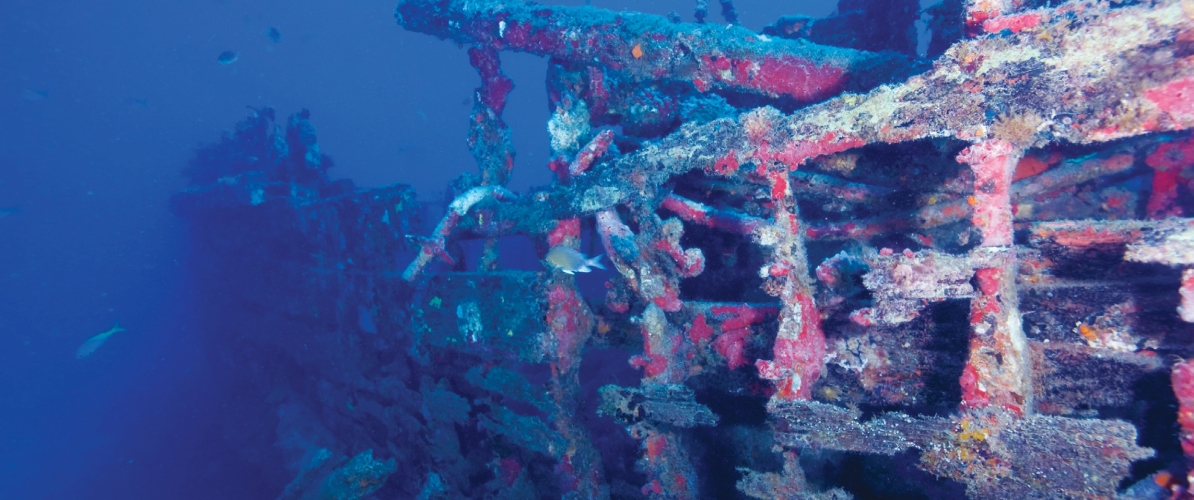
x: 836, y: 272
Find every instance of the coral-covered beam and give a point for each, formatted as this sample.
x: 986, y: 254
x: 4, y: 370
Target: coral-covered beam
x: 1082, y: 234
x: 1183, y: 387
x: 960, y: 97
x: 568, y: 320
x: 631, y: 257
x: 855, y: 230
x: 699, y: 213
x: 670, y: 475
x: 569, y: 323
x: 495, y: 86
x: 689, y: 262
x: 659, y: 361
x: 820, y: 185
x: 1071, y: 173
x: 488, y: 136
x: 798, y: 355
x: 902, y: 283
x: 1170, y: 161
x: 998, y: 374
x: 618, y: 240
x: 590, y: 153
x: 1169, y: 242
x: 993, y: 163
x: 435, y: 245
x: 1061, y: 80
x: 1165, y: 241
x: 1186, y: 308
x: 952, y: 208
x: 646, y: 48
x: 799, y: 350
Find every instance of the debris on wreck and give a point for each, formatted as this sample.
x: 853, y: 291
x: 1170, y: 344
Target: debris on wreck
x: 836, y: 271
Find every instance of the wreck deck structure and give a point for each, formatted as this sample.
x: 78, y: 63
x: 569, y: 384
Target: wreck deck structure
x: 838, y: 271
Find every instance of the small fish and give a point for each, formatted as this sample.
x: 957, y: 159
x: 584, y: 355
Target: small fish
x: 7, y: 211
x: 571, y: 261
x: 227, y: 57
x: 274, y: 35
x: 93, y: 343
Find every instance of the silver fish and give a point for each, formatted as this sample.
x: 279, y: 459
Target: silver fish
x: 571, y: 261
x: 95, y: 342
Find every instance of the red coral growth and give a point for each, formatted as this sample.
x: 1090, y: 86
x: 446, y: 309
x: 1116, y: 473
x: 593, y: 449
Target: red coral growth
x: 598, y: 93
x: 690, y: 262
x: 1174, y: 155
x: 988, y: 280
x: 1183, y: 387
x: 863, y: 317
x: 779, y: 185
x: 1169, y: 162
x: 670, y: 300
x: 1186, y: 309
x: 973, y: 396
x: 1015, y: 23
x: 1088, y: 236
x: 655, y: 445
x: 566, y: 232
x: 1031, y: 165
x: 992, y: 182
x: 699, y: 331
x: 797, y: 77
x: 726, y: 165
x: 666, y: 472
x: 1164, y: 193
x: 1175, y: 98
x: 559, y: 165
x: 563, y: 321
x: 797, y: 358
x: 592, y: 151
x: 494, y: 85
x: 740, y: 316
x: 509, y: 468
x: 975, y: 19
x: 732, y: 345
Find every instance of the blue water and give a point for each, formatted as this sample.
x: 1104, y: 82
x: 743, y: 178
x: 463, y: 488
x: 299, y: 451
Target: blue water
x: 101, y: 106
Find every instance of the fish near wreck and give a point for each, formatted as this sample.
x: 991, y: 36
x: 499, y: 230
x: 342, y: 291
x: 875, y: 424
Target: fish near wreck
x: 571, y: 261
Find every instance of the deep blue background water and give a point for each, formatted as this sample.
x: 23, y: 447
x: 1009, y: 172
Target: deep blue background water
x: 101, y: 105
